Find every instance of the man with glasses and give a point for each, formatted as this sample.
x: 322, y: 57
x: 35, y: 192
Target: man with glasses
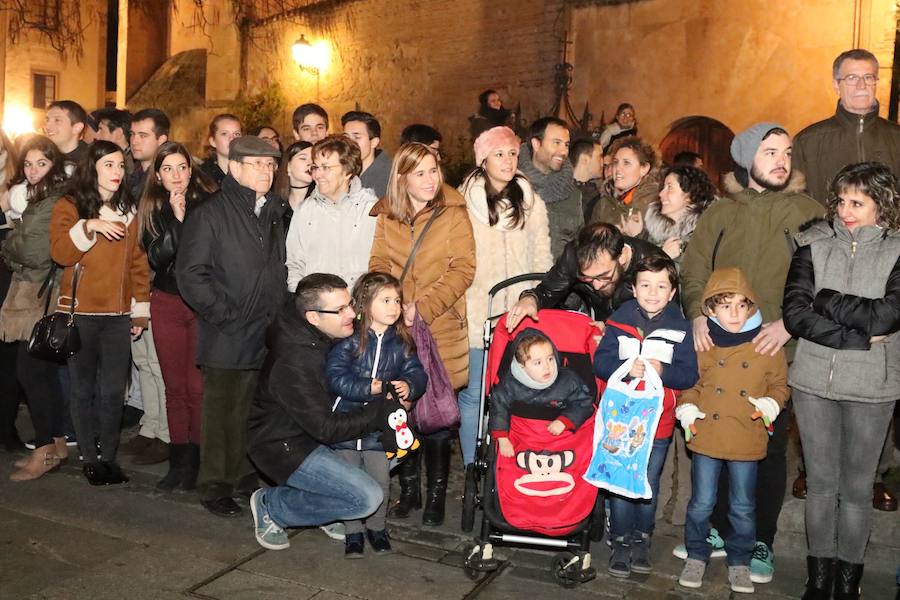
x: 597, y: 266
x: 230, y: 270
x: 291, y: 422
x: 854, y: 134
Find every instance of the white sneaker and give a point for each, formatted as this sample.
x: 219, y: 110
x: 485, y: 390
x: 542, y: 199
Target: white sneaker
x: 692, y: 573
x: 335, y: 531
x: 739, y: 578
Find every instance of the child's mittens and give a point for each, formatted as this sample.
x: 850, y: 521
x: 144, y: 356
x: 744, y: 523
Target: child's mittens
x: 397, y: 437
x: 766, y: 408
x: 687, y: 414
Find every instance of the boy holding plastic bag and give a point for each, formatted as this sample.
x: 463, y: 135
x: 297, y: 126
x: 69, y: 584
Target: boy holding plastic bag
x: 646, y: 353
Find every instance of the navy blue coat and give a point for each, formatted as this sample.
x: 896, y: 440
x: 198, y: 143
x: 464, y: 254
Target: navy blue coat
x: 350, y: 376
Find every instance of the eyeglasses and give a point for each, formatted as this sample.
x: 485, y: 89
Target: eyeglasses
x: 259, y: 165
x: 853, y: 80
x: 592, y: 278
x: 325, y: 168
x: 336, y: 311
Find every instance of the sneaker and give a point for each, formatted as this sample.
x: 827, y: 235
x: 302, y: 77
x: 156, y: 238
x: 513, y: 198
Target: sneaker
x: 739, y: 578
x: 640, y: 552
x: 762, y: 564
x: 335, y: 531
x: 353, y: 545
x: 713, y: 539
x: 268, y: 534
x: 620, y: 559
x: 692, y: 573
x: 71, y: 441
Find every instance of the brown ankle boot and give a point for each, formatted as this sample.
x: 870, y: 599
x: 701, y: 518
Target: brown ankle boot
x: 41, y: 461
x: 62, y: 451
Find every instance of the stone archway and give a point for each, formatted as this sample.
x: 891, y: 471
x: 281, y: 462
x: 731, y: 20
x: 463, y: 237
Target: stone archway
x: 709, y: 138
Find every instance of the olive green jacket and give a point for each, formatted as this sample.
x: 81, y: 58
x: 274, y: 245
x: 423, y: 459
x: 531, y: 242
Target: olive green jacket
x: 752, y: 231
x: 27, y: 249
x: 609, y: 209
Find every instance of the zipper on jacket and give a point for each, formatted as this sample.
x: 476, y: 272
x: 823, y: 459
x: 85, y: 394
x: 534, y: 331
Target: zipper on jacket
x: 860, y: 148
x: 716, y: 250
x: 849, y: 280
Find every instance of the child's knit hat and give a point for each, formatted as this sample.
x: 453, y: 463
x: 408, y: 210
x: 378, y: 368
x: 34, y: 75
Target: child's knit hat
x: 728, y: 280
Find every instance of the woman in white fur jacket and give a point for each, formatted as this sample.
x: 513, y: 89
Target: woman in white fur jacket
x: 512, y: 237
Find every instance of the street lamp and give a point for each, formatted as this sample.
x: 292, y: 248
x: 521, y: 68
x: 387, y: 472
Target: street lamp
x: 305, y: 55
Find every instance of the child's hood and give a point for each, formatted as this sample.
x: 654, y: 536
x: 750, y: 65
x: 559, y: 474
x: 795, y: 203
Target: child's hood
x: 728, y: 280
x: 532, y: 332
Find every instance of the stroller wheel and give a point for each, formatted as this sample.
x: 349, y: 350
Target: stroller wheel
x: 476, y: 566
x: 566, y: 569
x: 469, y: 499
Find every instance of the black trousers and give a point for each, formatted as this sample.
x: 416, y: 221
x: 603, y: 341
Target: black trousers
x: 40, y: 379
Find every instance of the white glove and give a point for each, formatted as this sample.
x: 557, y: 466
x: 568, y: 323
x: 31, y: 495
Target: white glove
x: 687, y: 414
x: 767, y: 406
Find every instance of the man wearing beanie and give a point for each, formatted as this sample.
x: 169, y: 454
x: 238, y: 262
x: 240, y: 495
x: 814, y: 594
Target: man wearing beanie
x: 752, y: 229
x: 230, y: 270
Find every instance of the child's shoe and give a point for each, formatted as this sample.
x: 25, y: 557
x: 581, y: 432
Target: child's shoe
x: 379, y: 541
x: 353, y: 545
x: 640, y: 552
x: 739, y: 578
x: 713, y: 539
x: 762, y: 563
x: 620, y: 559
x: 692, y: 573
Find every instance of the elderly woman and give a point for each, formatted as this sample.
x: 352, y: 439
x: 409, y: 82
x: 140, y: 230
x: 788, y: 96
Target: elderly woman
x: 841, y: 299
x: 512, y: 237
x: 436, y: 279
x: 331, y: 230
x: 632, y: 186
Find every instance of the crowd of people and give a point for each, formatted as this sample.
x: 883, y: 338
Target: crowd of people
x: 262, y: 304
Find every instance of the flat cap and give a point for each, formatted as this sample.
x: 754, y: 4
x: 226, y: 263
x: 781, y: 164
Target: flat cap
x: 250, y: 145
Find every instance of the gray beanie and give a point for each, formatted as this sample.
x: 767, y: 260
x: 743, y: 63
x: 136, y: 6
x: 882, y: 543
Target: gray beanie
x: 746, y: 143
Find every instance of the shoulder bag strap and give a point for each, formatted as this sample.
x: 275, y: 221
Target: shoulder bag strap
x: 47, y: 287
x: 76, y: 275
x: 415, y: 248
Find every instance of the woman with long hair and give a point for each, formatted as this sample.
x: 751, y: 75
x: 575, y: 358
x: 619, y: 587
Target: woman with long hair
x: 173, y: 188
x: 222, y: 129
x: 94, y: 236
x: 434, y: 287
x: 38, y: 181
x: 512, y: 237
x: 294, y: 181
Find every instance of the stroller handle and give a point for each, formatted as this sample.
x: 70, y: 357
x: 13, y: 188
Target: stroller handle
x: 514, y: 280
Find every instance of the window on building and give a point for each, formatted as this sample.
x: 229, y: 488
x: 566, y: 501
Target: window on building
x: 43, y: 86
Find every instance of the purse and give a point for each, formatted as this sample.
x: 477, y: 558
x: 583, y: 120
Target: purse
x: 55, y: 336
x: 437, y: 408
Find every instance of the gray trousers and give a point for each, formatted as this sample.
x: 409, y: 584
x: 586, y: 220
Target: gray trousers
x: 842, y: 442
x: 375, y: 463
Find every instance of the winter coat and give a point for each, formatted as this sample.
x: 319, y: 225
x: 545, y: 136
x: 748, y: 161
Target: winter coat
x: 211, y: 169
x: 614, y: 131
x: 567, y: 399
x: 377, y: 175
x: 162, y: 249
x: 752, y: 231
x: 842, y: 289
x: 331, y: 237
x: 350, y: 376
x: 613, y: 208
x: 660, y: 228
x: 590, y: 196
x: 442, y: 271
x: 502, y: 252
x: 115, y: 275
x: 680, y: 375
x: 230, y: 271
x: 291, y: 413
x: 562, y: 279
x: 826, y: 147
x: 27, y: 249
x: 728, y: 376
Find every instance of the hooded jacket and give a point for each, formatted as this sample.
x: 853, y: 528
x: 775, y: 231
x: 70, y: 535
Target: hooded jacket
x: 350, y: 375
x: 613, y: 208
x: 730, y: 373
x: 230, y: 271
x: 502, y: 251
x: 680, y: 375
x: 844, y: 288
x: 826, y: 147
x: 752, y: 231
x: 567, y: 399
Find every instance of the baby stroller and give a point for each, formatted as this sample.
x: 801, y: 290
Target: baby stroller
x: 538, y: 498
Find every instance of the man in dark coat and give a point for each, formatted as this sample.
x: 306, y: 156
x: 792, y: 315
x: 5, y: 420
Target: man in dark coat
x: 230, y: 270
x: 291, y: 420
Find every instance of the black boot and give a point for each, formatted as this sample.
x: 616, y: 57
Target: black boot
x: 846, y: 581
x: 410, y: 488
x: 191, y: 467
x: 820, y: 573
x: 177, y: 455
x: 437, y: 468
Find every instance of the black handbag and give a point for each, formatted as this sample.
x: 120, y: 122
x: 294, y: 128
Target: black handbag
x: 55, y: 337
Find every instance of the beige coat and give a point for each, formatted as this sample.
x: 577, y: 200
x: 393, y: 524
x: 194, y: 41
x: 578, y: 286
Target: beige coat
x: 502, y: 252
x: 441, y: 273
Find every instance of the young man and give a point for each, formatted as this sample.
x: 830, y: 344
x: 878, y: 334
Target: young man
x: 64, y: 125
x: 310, y: 123
x: 365, y: 130
x: 423, y: 134
x: 586, y: 157
x: 237, y: 233
x: 149, y: 131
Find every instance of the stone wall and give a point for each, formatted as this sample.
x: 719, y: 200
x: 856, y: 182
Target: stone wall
x: 737, y: 62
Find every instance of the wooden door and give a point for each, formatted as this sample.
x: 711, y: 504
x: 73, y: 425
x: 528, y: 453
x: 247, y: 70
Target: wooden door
x: 707, y: 137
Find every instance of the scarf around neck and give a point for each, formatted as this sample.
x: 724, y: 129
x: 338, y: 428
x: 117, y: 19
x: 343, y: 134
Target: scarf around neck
x: 723, y: 338
x: 518, y: 372
x: 552, y: 187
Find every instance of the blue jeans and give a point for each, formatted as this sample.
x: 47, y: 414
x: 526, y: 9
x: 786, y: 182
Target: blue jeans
x: 324, y: 489
x: 468, y: 400
x: 629, y: 515
x: 740, y: 540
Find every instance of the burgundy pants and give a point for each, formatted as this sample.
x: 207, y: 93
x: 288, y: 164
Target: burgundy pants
x: 175, y: 338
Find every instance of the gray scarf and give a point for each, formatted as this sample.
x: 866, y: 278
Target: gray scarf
x: 518, y: 372
x: 552, y: 187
